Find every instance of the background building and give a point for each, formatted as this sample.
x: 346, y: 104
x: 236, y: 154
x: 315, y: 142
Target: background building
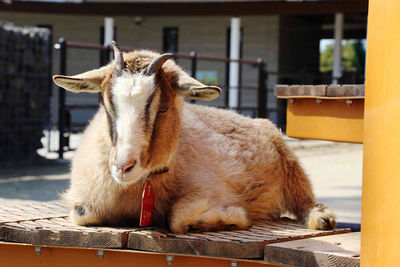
x: 285, y: 34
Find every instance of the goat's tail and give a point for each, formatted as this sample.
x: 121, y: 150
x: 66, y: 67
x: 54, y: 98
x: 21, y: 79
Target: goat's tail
x: 298, y: 194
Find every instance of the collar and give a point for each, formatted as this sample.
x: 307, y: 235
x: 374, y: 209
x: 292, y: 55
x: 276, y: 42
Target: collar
x: 159, y: 171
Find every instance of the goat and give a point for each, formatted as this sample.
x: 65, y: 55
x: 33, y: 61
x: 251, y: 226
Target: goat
x: 211, y: 169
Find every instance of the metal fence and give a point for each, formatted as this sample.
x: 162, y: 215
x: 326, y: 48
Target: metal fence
x: 64, y: 123
x: 25, y: 64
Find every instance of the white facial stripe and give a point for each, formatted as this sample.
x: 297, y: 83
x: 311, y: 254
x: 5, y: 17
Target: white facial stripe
x: 130, y: 93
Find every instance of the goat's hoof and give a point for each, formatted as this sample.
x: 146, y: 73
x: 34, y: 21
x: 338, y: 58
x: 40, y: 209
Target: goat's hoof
x: 326, y: 224
x: 79, y: 210
x: 82, y: 216
x: 321, y: 218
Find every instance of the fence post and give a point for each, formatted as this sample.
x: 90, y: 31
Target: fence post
x: 61, y: 97
x: 227, y: 84
x: 193, y: 68
x: 262, y: 89
x: 239, y: 106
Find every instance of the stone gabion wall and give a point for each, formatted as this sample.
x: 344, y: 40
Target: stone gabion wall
x: 25, y: 59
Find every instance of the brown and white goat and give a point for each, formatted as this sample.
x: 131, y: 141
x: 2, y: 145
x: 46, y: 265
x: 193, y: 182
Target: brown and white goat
x: 210, y: 168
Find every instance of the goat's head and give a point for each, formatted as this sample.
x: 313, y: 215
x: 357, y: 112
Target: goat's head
x: 141, y: 93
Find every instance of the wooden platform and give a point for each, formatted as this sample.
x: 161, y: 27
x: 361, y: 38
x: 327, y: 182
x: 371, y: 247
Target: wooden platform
x: 334, y: 250
x: 325, y: 112
x: 47, y: 224
x: 346, y: 91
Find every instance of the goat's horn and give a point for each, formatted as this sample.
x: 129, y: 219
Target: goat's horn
x: 119, y: 60
x: 156, y: 64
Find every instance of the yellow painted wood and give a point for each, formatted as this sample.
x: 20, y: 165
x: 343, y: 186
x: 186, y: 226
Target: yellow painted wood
x: 331, y: 119
x: 12, y: 254
x: 380, y: 236
x: 321, y: 97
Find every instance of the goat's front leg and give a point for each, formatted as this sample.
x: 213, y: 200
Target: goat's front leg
x: 81, y: 214
x: 194, y: 214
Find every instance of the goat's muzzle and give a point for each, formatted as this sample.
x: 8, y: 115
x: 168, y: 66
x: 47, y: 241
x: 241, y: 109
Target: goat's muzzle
x: 126, y: 168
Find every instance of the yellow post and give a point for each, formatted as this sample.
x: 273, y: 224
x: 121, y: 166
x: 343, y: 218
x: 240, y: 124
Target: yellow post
x: 380, y: 234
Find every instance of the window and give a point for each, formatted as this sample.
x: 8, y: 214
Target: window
x: 170, y: 39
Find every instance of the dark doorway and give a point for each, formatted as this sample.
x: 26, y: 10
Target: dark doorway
x: 170, y: 39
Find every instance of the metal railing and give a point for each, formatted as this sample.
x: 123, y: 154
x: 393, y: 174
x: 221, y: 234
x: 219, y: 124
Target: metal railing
x: 261, y: 110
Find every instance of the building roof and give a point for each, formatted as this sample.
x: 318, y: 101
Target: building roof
x: 186, y: 7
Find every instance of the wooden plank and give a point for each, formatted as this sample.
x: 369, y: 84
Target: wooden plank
x: 29, y: 210
x: 335, y: 90
x: 207, y: 236
x: 314, y: 90
x: 227, y: 237
x: 231, y: 244
x: 332, y: 91
x: 47, y: 232
x: 59, y: 231
x: 282, y: 90
x: 334, y: 250
x: 16, y: 233
x: 300, y: 90
x: 321, y: 97
x: 200, y: 246
x: 249, y: 237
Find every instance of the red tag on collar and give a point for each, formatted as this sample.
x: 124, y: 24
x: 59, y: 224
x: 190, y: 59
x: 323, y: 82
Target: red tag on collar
x: 147, y: 208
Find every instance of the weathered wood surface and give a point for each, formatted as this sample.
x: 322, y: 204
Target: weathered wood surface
x: 334, y: 250
x: 296, y: 90
x: 48, y: 224
x: 322, y: 90
x: 30, y: 210
x: 61, y: 232
x: 233, y: 244
x: 335, y: 90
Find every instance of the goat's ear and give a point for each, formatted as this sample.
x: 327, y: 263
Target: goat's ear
x: 193, y: 89
x: 89, y: 81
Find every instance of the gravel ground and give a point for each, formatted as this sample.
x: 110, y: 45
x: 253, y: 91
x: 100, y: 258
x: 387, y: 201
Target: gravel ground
x: 335, y: 170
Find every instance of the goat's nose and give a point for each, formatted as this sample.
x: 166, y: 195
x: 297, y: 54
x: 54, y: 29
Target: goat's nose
x: 127, y: 167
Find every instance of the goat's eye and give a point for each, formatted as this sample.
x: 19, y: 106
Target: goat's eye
x: 163, y: 109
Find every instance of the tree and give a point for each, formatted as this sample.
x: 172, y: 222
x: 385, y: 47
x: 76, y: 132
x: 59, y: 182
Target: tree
x: 353, y: 56
x: 326, y: 59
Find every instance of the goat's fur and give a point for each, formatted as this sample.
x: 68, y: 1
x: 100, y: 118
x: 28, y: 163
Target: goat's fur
x: 225, y: 170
